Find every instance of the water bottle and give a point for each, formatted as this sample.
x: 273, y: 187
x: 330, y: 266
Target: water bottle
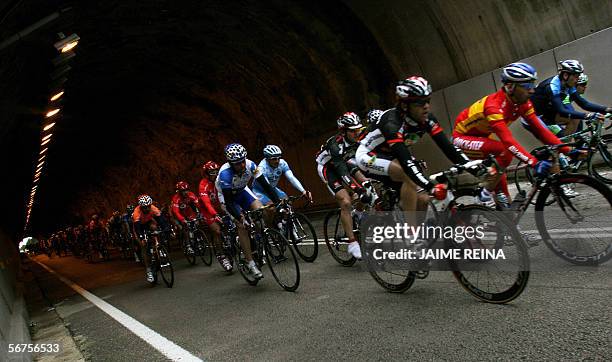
x: 518, y: 200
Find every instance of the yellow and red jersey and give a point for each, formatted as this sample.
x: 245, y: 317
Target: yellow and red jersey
x: 142, y: 217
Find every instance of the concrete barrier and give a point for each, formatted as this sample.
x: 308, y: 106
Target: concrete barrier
x: 14, y: 318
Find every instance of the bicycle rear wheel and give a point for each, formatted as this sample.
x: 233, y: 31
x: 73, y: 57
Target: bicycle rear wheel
x: 600, y: 163
x: 281, y: 260
x: 336, y: 239
x: 303, y: 237
x: 203, y: 247
x: 165, y: 266
x: 241, y: 264
x: 577, y: 229
x: 191, y: 257
x: 495, y: 281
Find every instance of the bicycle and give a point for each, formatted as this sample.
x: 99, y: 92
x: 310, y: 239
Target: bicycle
x: 594, y: 142
x: 296, y: 228
x: 497, y: 286
x: 160, y: 259
x: 199, y: 243
x: 269, y: 244
x: 548, y: 193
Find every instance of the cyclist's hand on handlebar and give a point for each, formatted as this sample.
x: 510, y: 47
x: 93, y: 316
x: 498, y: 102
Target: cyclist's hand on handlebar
x: 478, y: 170
x: 308, y: 195
x: 595, y: 116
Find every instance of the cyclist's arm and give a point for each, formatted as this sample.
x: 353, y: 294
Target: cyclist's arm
x: 543, y: 133
x: 505, y: 136
x: 263, y: 182
x: 565, y: 111
x: 205, y: 201
x: 338, y: 162
x: 450, y: 151
x: 294, y: 181
x: 586, y: 105
x: 177, y: 212
x: 403, y: 155
x: 230, y: 206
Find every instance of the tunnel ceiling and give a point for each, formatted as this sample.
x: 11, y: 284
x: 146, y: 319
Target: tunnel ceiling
x: 158, y: 87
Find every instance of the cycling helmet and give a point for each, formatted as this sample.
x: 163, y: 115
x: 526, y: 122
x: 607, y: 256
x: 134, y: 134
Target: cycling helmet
x: 413, y: 87
x: 130, y: 209
x: 210, y: 166
x: 182, y: 186
x: 583, y: 79
x: 374, y: 115
x: 271, y: 151
x: 518, y: 73
x: 235, y: 152
x: 571, y: 66
x: 349, y: 120
x: 145, y: 200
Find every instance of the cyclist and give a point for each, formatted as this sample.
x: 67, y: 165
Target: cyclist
x: 550, y: 94
x: 384, y: 152
x: 127, y: 225
x: 96, y: 230
x: 232, y: 181
x: 338, y: 170
x: 147, y: 216
x: 492, y: 115
x: 273, y: 166
x: 209, y: 200
x: 185, y: 206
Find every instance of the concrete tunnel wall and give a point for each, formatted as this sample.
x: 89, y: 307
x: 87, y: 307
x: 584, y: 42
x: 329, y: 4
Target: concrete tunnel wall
x: 459, y: 46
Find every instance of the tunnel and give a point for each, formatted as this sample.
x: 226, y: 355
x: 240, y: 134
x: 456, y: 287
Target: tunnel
x: 158, y: 87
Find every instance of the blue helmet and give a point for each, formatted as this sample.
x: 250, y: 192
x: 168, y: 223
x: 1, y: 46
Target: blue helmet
x: 518, y: 73
x: 235, y: 152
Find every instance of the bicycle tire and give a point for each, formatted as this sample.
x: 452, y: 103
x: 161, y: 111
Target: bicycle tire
x: 554, y: 245
x: 165, y: 266
x: 597, y: 170
x: 519, y: 279
x: 307, y: 252
x: 204, y: 247
x: 241, y: 264
x: 279, y: 251
x: 191, y: 258
x: 335, y: 244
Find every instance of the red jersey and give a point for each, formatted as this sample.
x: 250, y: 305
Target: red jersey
x: 183, y: 207
x: 208, y: 197
x: 493, y: 114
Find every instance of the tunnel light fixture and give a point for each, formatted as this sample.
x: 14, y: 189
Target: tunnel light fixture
x: 40, y: 164
x: 45, y: 142
x: 52, y: 112
x: 67, y: 43
x: 47, y: 137
x: 43, y: 150
x: 57, y: 96
x: 42, y: 157
x: 49, y: 126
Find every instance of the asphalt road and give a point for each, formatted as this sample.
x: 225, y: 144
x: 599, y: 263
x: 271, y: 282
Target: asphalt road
x: 338, y: 313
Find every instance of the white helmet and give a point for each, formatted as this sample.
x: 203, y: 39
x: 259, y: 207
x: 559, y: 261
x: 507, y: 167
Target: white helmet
x: 583, y: 79
x: 145, y: 200
x: 349, y: 120
x: 235, y: 152
x: 571, y: 66
x: 271, y: 151
x: 413, y: 87
x: 374, y: 115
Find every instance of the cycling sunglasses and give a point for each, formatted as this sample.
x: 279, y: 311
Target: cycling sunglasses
x: 421, y: 101
x: 274, y: 158
x: 527, y: 85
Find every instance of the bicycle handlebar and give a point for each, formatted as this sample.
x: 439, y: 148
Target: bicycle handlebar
x: 455, y: 170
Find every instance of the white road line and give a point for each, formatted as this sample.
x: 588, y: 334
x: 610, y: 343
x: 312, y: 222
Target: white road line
x: 157, y: 341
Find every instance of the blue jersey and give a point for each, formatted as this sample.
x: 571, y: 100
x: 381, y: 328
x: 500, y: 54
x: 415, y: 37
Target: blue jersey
x: 274, y: 174
x: 228, y: 179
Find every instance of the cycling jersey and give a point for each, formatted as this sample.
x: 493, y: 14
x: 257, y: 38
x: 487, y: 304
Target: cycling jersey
x: 273, y: 175
x: 139, y: 216
x: 209, y: 198
x: 389, y: 138
x: 185, y: 207
x: 493, y: 114
x: 234, y: 187
x: 552, y: 98
x: 336, y: 162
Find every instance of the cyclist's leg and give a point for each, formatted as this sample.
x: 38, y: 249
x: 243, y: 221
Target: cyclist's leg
x: 246, y: 200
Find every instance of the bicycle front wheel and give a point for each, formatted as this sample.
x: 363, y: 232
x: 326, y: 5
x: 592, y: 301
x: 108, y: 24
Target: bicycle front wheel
x: 203, y: 247
x: 495, y: 280
x: 281, y: 260
x: 303, y: 237
x: 165, y: 266
x: 600, y: 163
x: 576, y: 229
x: 336, y: 239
